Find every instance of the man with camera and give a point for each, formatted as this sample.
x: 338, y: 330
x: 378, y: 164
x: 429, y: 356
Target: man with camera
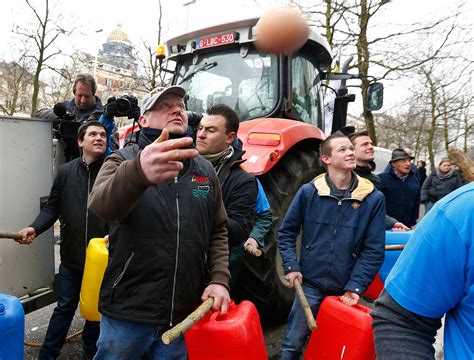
x: 85, y: 106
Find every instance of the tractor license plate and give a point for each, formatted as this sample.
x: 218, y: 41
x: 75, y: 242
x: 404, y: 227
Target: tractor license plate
x: 217, y: 40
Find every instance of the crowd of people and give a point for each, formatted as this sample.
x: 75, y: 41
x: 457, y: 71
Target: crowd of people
x: 179, y: 211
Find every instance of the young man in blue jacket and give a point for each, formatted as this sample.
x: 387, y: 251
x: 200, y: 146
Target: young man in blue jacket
x: 342, y: 246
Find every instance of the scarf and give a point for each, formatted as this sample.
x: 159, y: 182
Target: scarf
x: 218, y: 160
x: 442, y: 176
x: 153, y: 134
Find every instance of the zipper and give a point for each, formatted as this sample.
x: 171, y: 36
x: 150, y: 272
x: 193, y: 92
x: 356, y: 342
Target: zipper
x: 176, y: 186
x: 339, y: 203
x: 87, y: 209
x: 124, y: 269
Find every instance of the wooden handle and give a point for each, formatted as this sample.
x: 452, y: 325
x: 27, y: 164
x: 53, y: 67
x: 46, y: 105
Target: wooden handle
x: 253, y: 250
x: 304, y: 304
x: 394, y: 247
x: 179, y: 329
x: 10, y: 235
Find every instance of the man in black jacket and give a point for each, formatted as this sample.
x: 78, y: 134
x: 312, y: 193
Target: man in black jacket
x: 68, y: 202
x: 216, y: 132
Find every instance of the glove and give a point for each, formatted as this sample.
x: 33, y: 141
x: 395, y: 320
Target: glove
x: 111, y: 107
x: 134, y: 112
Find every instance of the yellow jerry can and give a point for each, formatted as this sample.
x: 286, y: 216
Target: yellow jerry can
x: 97, y: 257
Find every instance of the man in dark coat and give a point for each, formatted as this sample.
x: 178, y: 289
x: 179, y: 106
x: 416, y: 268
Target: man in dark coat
x: 401, y: 188
x: 216, y: 132
x: 168, y: 243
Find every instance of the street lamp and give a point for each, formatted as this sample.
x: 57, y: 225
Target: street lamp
x: 187, y: 4
x: 96, y: 50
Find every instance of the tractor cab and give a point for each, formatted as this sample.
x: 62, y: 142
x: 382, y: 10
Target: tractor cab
x: 221, y: 65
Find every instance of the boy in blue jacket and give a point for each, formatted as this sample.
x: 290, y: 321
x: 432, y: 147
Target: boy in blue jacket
x: 342, y: 245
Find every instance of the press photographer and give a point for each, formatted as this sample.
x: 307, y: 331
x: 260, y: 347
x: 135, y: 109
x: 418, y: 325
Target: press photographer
x: 67, y: 116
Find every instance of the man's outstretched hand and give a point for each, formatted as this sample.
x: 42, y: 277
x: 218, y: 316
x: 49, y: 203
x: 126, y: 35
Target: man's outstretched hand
x: 161, y: 160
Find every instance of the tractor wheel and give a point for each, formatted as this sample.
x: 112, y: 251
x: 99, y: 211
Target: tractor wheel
x: 260, y: 278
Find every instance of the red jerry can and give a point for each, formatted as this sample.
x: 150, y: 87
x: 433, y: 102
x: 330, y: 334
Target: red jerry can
x: 236, y: 335
x: 375, y: 288
x: 344, y: 332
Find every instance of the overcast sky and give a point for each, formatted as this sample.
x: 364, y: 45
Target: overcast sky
x: 139, y: 18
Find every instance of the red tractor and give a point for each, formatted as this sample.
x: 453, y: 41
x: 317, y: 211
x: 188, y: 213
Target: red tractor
x: 279, y: 100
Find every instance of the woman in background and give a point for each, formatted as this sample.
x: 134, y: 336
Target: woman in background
x: 440, y: 183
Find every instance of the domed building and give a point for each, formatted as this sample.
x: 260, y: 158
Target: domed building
x: 116, y: 68
x: 118, y: 51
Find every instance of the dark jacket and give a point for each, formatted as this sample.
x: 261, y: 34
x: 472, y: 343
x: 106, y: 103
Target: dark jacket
x: 421, y: 173
x: 436, y: 187
x: 168, y: 242
x: 67, y: 129
x: 343, y: 241
x: 401, y: 196
x: 68, y: 202
x: 239, y: 193
x: 79, y: 115
x: 366, y: 173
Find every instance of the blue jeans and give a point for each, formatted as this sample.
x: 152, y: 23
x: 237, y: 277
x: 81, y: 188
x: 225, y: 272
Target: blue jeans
x: 129, y: 340
x: 69, y: 288
x: 297, y: 333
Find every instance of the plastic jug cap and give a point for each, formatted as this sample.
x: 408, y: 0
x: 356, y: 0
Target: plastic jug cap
x: 2, y: 309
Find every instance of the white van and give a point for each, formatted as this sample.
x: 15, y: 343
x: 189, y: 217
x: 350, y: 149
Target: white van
x: 382, y: 158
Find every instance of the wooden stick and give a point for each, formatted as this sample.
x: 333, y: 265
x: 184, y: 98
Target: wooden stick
x: 179, y: 329
x: 394, y: 247
x: 253, y: 250
x: 304, y: 304
x: 10, y: 235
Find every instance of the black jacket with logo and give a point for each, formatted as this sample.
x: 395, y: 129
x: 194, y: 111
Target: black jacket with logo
x: 168, y: 240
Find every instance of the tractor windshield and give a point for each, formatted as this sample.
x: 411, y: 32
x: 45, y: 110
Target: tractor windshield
x: 248, y: 84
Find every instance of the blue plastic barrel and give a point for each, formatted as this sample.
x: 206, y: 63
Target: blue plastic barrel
x: 12, y: 328
x: 391, y: 256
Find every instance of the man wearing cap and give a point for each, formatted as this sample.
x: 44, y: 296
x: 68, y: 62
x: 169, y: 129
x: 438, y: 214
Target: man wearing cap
x: 401, y: 188
x: 168, y: 245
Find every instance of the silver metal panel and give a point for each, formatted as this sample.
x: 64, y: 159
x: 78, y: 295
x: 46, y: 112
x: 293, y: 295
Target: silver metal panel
x: 25, y: 176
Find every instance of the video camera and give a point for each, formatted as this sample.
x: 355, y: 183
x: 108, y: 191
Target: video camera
x: 61, y: 112
x: 125, y: 105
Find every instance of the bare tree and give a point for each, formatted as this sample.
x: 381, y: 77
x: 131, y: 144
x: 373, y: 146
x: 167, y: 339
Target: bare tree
x: 347, y: 23
x: 43, y: 35
x: 153, y: 74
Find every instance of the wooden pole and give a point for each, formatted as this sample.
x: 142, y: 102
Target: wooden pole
x: 394, y: 247
x: 179, y: 329
x: 10, y: 235
x: 253, y: 250
x: 304, y: 304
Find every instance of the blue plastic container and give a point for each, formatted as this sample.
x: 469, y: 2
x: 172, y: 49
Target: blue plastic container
x: 391, y: 256
x: 12, y: 328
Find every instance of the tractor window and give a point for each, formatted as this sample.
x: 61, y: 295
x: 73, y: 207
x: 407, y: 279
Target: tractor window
x: 306, y: 91
x: 247, y: 84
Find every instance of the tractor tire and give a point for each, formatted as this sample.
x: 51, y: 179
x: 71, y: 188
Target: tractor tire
x: 260, y: 278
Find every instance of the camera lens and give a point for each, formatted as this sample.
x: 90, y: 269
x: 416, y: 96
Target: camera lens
x: 123, y: 106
